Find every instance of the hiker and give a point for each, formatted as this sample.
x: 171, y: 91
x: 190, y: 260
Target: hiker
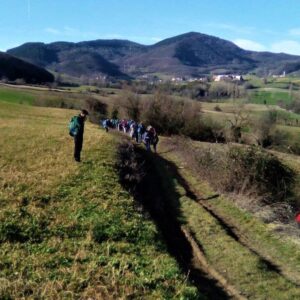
x: 115, y: 123
x: 135, y: 134
x: 132, y: 131
x: 297, y: 219
x: 146, y: 137
x: 140, y: 131
x: 105, y: 124
x: 154, y: 138
x: 125, y: 126
x: 76, y: 129
x: 119, y: 126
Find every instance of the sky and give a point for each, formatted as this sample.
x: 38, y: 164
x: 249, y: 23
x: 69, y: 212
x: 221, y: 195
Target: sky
x: 260, y: 25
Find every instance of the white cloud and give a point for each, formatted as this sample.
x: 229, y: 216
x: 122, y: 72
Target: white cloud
x: 135, y: 38
x: 53, y: 31
x: 269, y: 31
x: 72, y: 32
x: 68, y: 32
x: 112, y: 36
x: 286, y: 46
x: 294, y: 31
x: 249, y: 45
x: 233, y: 28
x: 156, y: 39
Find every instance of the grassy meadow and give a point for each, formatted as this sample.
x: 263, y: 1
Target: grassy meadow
x: 72, y: 231
x: 68, y: 230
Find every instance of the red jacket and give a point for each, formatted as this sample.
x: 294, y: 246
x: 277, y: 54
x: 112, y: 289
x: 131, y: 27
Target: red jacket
x: 297, y: 218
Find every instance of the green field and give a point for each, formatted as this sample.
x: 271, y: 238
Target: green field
x: 269, y: 96
x: 71, y: 231
x: 16, y: 96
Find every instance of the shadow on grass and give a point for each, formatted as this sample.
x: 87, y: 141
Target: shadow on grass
x: 157, y: 193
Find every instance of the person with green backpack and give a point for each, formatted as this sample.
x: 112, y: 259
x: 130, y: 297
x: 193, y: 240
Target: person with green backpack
x: 76, y: 129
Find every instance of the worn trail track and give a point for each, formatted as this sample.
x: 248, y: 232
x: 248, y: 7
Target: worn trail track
x: 180, y: 240
x: 201, y: 260
x: 233, y: 231
x: 237, y: 235
x: 240, y: 237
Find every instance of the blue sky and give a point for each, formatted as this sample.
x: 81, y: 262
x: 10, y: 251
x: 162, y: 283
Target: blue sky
x: 272, y: 25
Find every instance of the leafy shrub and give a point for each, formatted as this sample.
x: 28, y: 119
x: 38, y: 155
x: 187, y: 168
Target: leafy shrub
x: 97, y: 110
x: 177, y: 117
x: 217, y: 108
x: 252, y: 167
x: 249, y: 86
x: 295, y: 148
x: 132, y: 104
x: 130, y: 166
x: 165, y: 114
x: 263, y: 128
x: 115, y: 112
x: 251, y: 171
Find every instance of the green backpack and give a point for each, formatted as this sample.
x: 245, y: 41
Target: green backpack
x: 73, y: 126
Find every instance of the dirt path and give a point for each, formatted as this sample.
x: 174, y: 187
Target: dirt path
x: 240, y: 237
x: 179, y: 240
x: 183, y: 243
x: 200, y: 260
x: 231, y: 229
x: 234, y: 232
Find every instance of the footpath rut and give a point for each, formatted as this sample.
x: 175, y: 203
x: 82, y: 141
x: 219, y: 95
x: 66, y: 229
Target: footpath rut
x: 183, y: 242
x: 234, y: 233
x: 205, y: 266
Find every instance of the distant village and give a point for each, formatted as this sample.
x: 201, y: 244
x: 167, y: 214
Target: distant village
x: 150, y: 78
x: 224, y: 77
x: 207, y: 78
x: 227, y: 77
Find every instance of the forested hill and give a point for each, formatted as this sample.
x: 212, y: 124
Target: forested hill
x: 14, y: 68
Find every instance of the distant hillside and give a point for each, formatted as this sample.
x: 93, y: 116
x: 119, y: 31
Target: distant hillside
x: 190, y: 54
x: 14, y: 68
x: 193, y: 54
x: 95, y: 58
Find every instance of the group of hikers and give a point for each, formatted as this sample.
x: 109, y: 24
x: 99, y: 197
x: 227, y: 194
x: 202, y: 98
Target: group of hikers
x: 137, y: 131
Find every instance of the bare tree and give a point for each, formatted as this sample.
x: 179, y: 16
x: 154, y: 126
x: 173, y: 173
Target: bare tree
x: 132, y: 104
x: 240, y: 120
x: 263, y: 128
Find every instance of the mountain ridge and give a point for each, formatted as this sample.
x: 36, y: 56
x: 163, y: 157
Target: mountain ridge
x: 188, y: 54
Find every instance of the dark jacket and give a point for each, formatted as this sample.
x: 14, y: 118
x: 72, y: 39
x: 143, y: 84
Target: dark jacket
x: 80, y: 126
